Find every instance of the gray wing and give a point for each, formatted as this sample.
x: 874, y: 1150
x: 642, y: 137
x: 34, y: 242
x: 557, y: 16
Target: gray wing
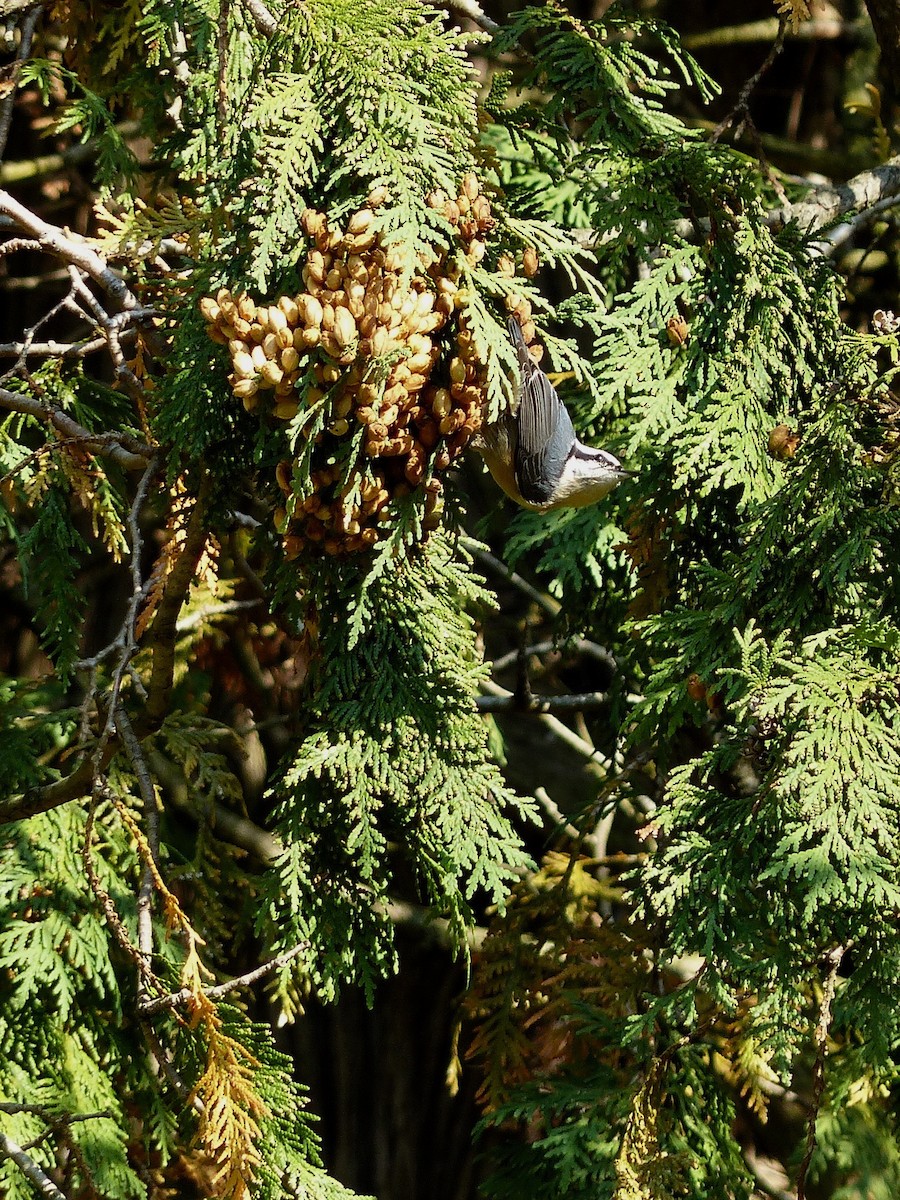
x: 545, y: 431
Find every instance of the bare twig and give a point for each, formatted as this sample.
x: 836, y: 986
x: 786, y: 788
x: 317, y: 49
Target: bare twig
x: 117, y: 722
x: 571, y: 647
x: 51, y: 349
x: 118, y: 447
x: 563, y: 732
x: 473, y: 10
x: 51, y: 1117
x: 742, y: 107
x: 29, y: 1168
x: 151, y: 821
x: 179, y: 70
x: 88, y: 776
x: 547, y: 603
x: 111, y: 326
x: 541, y: 704
x: 175, y: 999
x: 32, y: 169
x: 839, y: 235
x: 555, y: 813
x: 102, y: 895
x: 160, y: 1056
x: 768, y: 1175
x: 126, y: 643
x: 29, y: 24
x: 19, y: 246
x: 264, y: 846
x: 224, y: 609
x: 423, y: 921
x: 77, y: 252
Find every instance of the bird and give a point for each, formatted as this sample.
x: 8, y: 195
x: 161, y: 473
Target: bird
x: 533, y: 453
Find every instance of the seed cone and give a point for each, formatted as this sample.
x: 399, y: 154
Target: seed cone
x: 371, y: 342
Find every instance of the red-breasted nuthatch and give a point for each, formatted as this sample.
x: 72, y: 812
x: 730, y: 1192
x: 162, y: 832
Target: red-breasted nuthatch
x: 533, y: 453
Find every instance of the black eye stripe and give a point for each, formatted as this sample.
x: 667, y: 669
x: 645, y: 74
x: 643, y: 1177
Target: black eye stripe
x: 588, y: 454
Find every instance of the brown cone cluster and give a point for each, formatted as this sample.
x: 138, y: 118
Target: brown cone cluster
x: 364, y: 340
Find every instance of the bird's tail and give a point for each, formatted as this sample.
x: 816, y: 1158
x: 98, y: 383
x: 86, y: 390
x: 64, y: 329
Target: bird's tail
x: 526, y: 362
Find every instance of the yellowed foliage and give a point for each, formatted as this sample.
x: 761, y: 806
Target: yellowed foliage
x: 549, y: 950
x: 644, y: 1171
x: 796, y: 12
x: 228, y: 1130
x: 85, y: 475
x: 144, y: 227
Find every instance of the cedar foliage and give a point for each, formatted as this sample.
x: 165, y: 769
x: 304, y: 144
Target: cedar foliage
x: 626, y: 1031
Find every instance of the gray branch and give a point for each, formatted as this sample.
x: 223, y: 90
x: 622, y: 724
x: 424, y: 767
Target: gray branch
x: 827, y: 204
x: 52, y: 349
x: 473, y: 10
x: 66, y: 246
x: 30, y: 1169
x: 6, y: 111
x: 578, y: 702
x: 574, y: 646
x: 118, y: 447
x: 262, y: 18
x: 547, y: 603
x: 175, y: 999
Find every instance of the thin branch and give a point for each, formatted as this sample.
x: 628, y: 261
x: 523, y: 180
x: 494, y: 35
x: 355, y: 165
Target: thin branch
x: 111, y: 326
x: 37, y: 800
x: 64, y: 245
x: 572, y: 647
x: 126, y: 642
x: 563, y: 732
x: 87, y: 778
x: 473, y: 10
x: 839, y: 235
x: 42, y: 165
x: 151, y: 820
x: 29, y: 1168
x: 238, y: 831
x: 102, y: 895
x: 541, y: 704
x: 19, y: 246
x: 212, y: 611
x: 126, y: 451
x: 29, y: 25
x: 547, y: 603
x: 51, y: 349
x: 176, y: 999
x: 262, y: 18
x: 742, y: 107
x: 559, y: 821
x: 423, y: 921
x: 832, y: 961
x: 117, y: 723
x: 159, y: 1055
x: 51, y: 1117
x: 768, y: 1176
x: 826, y: 204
